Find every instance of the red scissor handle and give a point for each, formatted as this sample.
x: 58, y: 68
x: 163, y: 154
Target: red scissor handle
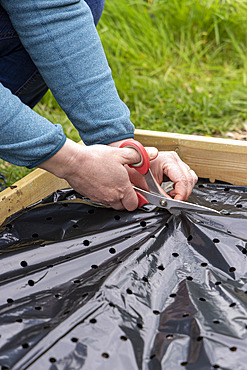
x: 144, y: 164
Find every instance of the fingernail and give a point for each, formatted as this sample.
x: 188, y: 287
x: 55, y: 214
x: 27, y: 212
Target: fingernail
x: 152, y: 152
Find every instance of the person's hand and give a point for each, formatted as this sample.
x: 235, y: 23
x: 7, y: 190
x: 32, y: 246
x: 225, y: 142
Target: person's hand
x: 98, y: 172
x: 165, y: 166
x: 168, y: 166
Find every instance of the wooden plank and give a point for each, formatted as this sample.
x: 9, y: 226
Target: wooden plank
x: 212, y: 158
x: 30, y: 189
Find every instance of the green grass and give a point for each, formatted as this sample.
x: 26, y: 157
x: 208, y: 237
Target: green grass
x: 180, y: 66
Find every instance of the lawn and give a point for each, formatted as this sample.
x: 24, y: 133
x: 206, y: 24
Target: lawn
x: 179, y: 65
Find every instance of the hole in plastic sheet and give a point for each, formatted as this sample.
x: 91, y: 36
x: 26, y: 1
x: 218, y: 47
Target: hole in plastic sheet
x: 175, y: 254
x: 156, y: 312
x: 204, y: 264
x: 169, y: 336
x: 152, y: 356
x: 139, y: 325
x: 190, y: 278
x: 145, y: 279
x: 86, y: 243
x: 216, y: 240
x: 111, y: 304
x: 233, y: 304
x: 19, y: 320
x: 202, y: 299
x: 66, y: 312
x: 105, y: 355
x: 112, y: 250
x: 10, y: 300
x: 94, y: 266
x: 25, y: 345
x: 143, y: 223
x: 190, y: 237
x: 38, y: 308
x: 129, y: 291
x: 31, y: 282
x: 58, y: 295
x: 199, y: 339
x: 214, y: 201
x: 76, y: 281
x: 161, y: 268
x: 23, y: 263
x: 244, y: 251
x: 233, y: 349
x: 52, y: 359
x: 74, y: 339
x: 123, y: 338
x: 173, y: 295
x: 232, y: 269
x: 217, y: 282
x: 117, y: 217
x: 93, y: 321
x: 239, y: 205
x: 184, y: 363
x: 216, y: 366
x: 226, y: 189
x: 185, y: 315
x: 216, y: 321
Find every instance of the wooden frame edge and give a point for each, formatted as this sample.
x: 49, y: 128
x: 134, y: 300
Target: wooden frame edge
x: 211, y: 158
x: 30, y: 189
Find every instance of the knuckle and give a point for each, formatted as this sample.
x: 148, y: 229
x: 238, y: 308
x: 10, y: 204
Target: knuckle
x: 172, y: 155
x: 184, y: 180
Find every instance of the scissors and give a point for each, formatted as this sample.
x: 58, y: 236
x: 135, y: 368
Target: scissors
x: 154, y: 196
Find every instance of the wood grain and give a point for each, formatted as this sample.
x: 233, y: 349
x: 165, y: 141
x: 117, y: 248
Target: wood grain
x: 211, y: 158
x: 30, y: 189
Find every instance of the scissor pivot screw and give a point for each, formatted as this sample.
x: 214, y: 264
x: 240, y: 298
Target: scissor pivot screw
x: 163, y: 203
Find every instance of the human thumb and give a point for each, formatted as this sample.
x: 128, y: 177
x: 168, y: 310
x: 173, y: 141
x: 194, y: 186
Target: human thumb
x: 152, y: 152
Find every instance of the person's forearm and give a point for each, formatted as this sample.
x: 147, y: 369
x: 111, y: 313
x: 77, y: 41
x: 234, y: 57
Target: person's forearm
x: 62, y: 40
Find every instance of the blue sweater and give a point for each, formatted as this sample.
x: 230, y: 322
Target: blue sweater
x: 62, y: 41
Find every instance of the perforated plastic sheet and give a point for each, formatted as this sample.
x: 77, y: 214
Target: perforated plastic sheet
x: 92, y: 288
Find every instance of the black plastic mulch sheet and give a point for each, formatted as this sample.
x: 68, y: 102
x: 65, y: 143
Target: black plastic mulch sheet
x: 93, y: 288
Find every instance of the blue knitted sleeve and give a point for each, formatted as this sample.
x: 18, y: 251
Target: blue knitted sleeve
x: 61, y: 38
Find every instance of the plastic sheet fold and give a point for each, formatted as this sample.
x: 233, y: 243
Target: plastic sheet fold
x: 83, y: 287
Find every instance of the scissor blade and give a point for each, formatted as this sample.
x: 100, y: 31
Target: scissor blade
x: 172, y: 204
